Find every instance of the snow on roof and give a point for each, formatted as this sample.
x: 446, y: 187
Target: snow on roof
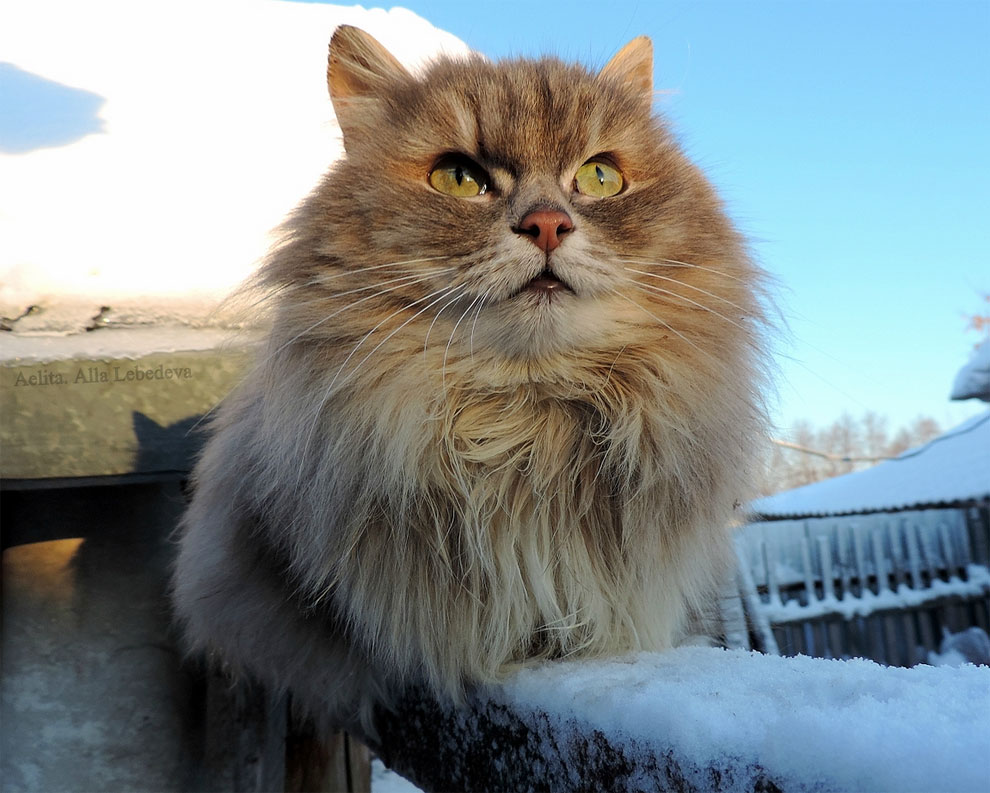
x: 809, y: 723
x: 216, y: 122
x: 951, y: 468
x: 973, y: 380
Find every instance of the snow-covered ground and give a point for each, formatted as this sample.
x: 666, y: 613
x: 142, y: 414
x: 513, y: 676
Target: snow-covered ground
x: 215, y: 123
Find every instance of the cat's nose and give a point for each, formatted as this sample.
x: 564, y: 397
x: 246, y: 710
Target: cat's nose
x: 545, y: 227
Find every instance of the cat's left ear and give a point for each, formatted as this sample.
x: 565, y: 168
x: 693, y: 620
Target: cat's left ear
x: 358, y: 68
x: 633, y: 65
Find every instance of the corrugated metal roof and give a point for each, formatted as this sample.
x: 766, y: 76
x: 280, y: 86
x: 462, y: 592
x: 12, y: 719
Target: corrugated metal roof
x: 951, y: 468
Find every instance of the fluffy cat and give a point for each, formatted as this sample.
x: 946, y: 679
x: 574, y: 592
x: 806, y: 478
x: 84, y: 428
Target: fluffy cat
x: 509, y: 397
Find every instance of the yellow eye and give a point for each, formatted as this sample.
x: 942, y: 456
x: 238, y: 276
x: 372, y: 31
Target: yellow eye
x: 459, y: 177
x: 598, y: 179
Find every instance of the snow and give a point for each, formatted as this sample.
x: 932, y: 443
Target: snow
x: 216, y: 122
x: 971, y: 646
x: 976, y: 583
x: 116, y: 343
x: 385, y: 781
x: 811, y: 724
x: 939, y: 536
x: 973, y: 380
x: 953, y: 467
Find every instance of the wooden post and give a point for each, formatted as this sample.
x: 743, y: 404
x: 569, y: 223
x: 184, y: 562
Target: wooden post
x: 255, y: 745
x: 339, y: 764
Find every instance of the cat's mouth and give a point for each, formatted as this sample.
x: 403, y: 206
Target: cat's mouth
x: 547, y: 284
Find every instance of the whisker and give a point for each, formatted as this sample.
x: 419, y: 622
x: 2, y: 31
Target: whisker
x: 324, y: 279
x: 320, y: 278
x: 666, y: 325
x: 426, y: 341
x: 477, y: 314
x: 412, y: 278
x: 675, y: 263
x: 444, y: 292
x: 689, y: 286
x: 443, y: 367
x: 608, y: 375
x: 329, y: 389
x: 692, y: 302
x: 405, y: 280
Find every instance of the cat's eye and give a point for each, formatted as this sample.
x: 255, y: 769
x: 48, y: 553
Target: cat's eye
x: 598, y: 179
x: 458, y: 176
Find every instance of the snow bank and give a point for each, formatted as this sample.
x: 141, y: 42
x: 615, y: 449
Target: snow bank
x: 971, y: 646
x: 704, y: 719
x: 973, y: 380
x: 216, y: 122
x: 977, y: 583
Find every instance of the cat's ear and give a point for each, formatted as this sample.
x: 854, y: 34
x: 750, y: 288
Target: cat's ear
x: 358, y: 68
x: 633, y: 65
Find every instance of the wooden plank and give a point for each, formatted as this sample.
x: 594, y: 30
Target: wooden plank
x: 859, y: 559
x: 335, y: 764
x: 808, y: 573
x: 892, y: 651
x: 753, y: 606
x: 914, y: 556
x: 770, y: 560
x: 978, y: 521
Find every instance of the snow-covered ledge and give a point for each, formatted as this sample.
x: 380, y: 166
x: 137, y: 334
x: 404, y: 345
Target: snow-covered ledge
x: 704, y: 719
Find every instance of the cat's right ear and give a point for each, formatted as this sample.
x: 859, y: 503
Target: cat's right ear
x: 358, y: 68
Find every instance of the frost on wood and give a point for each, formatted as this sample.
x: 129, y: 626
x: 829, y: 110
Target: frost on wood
x: 700, y: 719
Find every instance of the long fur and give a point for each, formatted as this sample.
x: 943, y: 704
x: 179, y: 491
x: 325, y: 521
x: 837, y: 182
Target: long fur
x: 432, y: 475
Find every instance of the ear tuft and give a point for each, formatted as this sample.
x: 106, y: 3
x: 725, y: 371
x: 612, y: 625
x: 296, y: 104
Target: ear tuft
x: 633, y: 65
x: 358, y: 64
x: 358, y: 67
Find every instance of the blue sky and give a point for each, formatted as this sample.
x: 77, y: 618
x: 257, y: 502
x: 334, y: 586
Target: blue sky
x: 851, y: 141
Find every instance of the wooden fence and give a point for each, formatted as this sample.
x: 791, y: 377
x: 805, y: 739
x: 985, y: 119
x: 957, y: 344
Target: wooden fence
x: 886, y: 587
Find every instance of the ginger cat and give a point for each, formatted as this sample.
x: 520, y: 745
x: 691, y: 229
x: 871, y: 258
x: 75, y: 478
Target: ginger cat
x: 509, y: 398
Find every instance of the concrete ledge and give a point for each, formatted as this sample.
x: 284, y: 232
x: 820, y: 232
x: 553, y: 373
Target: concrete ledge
x: 111, y: 402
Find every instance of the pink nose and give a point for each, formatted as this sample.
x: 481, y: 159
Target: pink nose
x: 545, y: 227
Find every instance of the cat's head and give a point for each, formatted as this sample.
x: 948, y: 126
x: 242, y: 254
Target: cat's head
x: 535, y: 206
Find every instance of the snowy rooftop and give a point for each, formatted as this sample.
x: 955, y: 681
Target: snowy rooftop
x: 951, y: 468
x: 195, y: 141
x: 973, y: 380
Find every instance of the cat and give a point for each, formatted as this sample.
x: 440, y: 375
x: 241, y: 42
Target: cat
x: 510, y: 395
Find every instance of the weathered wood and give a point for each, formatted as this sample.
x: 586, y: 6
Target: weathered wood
x: 315, y: 764
x: 255, y: 744
x: 490, y: 747
x: 245, y: 737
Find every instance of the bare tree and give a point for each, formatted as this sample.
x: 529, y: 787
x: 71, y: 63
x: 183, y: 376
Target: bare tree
x: 807, y: 455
